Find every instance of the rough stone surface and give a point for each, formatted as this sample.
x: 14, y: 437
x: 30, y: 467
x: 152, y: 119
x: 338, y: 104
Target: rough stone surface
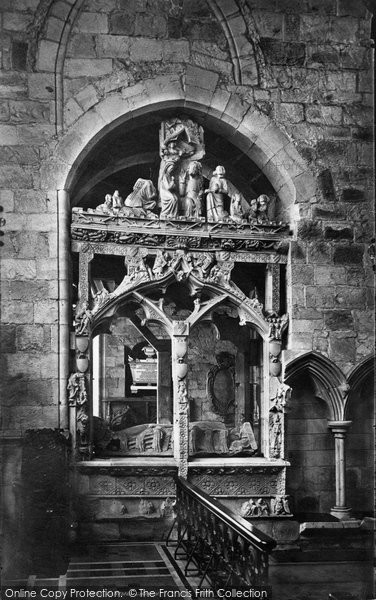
x: 301, y: 106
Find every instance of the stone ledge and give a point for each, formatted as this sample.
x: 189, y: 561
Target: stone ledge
x: 312, y: 526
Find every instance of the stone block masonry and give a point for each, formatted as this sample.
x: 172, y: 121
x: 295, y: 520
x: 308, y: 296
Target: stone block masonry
x: 311, y: 81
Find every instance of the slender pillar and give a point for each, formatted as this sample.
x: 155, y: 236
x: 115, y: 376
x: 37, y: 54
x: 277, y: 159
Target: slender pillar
x: 181, y: 409
x: 272, y: 288
x: 63, y: 217
x: 339, y: 430
x: 85, y: 259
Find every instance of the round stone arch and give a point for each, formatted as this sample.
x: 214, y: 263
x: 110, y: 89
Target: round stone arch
x: 255, y: 134
x: 241, y: 123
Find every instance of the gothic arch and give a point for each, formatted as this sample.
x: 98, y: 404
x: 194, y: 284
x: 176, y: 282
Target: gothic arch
x: 153, y: 311
x: 358, y: 375
x: 54, y: 22
x: 329, y: 381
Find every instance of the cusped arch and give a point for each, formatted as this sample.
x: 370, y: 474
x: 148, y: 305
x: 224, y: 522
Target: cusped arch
x: 255, y: 134
x: 248, y: 313
x: 329, y: 381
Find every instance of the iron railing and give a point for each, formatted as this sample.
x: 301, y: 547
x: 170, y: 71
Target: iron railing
x: 217, y: 545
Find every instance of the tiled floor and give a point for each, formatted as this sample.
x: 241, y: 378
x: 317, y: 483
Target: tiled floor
x: 115, y: 565
x: 122, y: 564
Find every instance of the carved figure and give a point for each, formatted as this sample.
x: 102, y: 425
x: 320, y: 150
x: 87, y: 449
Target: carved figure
x: 263, y: 507
x: 252, y: 213
x: 263, y: 202
x: 275, y: 326
x: 221, y: 273
x: 167, y: 190
x: 106, y: 207
x: 77, y: 394
x: 193, y: 190
x: 248, y: 508
x: 280, y: 505
x: 157, y: 438
x: 141, y: 201
x: 161, y: 264
x: 236, y: 210
x: 167, y: 507
x: 83, y: 318
x: 117, y: 201
x: 275, y: 434
x: 217, y: 191
x: 145, y: 507
x: 202, y: 264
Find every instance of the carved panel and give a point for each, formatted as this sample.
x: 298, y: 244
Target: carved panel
x: 238, y: 483
x: 134, y: 485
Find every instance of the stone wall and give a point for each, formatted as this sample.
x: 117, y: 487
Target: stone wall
x: 289, y: 83
x: 310, y: 450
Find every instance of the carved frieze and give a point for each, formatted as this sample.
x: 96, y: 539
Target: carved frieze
x: 237, y: 481
x: 273, y: 506
x: 197, y: 235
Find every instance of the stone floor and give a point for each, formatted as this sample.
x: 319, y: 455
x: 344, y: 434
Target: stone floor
x: 114, y: 566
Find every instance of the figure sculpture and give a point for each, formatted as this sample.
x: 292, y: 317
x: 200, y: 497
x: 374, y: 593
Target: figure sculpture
x: 252, y: 213
x: 117, y: 201
x: 167, y: 190
x: 218, y: 190
x: 106, y: 207
x: 263, y: 202
x: 193, y: 190
x: 236, y: 210
x: 259, y: 210
x: 141, y: 201
x: 83, y: 318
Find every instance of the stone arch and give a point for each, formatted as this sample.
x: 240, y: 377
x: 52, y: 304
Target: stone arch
x: 139, y: 294
x: 356, y: 378
x: 247, y: 128
x: 54, y: 22
x: 329, y: 381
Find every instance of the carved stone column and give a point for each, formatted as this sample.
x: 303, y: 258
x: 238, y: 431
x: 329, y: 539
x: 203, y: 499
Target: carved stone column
x: 79, y: 382
x: 339, y: 430
x: 280, y: 394
x: 63, y: 204
x: 181, y: 408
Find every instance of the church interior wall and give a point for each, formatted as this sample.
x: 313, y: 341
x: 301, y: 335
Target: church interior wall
x: 290, y: 86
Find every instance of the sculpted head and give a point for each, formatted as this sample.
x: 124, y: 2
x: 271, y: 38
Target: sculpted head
x: 195, y: 168
x: 220, y: 171
x: 263, y: 202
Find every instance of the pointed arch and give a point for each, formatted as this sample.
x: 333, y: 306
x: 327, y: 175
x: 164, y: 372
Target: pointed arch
x: 357, y: 377
x: 329, y: 381
x: 248, y: 312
